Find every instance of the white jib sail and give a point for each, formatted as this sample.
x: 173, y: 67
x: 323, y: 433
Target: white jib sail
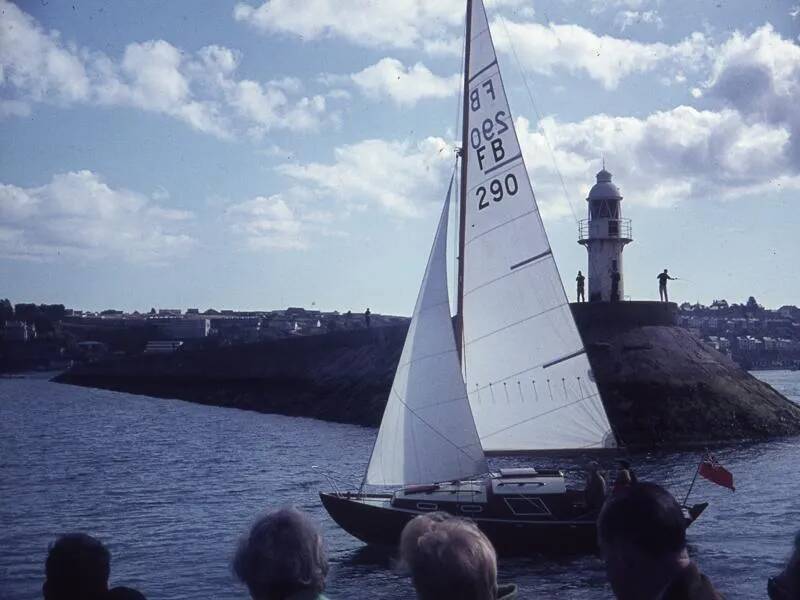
x: 427, y: 434
x: 525, y: 365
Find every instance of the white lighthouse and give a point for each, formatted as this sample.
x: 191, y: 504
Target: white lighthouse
x: 605, y: 233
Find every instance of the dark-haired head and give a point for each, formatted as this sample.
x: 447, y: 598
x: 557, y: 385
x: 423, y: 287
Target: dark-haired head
x: 282, y: 555
x: 642, y: 534
x: 646, y: 516
x: 786, y: 585
x: 124, y: 593
x: 77, y: 566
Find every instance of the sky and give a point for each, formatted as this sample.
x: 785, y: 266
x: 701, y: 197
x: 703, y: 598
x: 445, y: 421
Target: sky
x: 257, y: 155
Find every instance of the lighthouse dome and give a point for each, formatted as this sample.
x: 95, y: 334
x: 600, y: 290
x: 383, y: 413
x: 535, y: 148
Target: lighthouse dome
x: 604, y: 189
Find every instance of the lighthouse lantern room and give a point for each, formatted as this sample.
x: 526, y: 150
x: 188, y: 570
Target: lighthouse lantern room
x: 605, y: 233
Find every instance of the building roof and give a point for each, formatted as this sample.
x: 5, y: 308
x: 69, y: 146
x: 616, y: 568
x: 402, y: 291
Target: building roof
x: 604, y: 189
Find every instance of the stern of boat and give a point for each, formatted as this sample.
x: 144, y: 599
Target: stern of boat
x: 693, y: 512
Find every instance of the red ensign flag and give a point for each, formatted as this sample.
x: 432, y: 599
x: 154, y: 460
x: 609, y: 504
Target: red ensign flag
x: 716, y: 473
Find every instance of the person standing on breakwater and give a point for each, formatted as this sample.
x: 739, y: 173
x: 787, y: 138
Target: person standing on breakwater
x: 615, y: 277
x: 662, y: 285
x: 367, y: 317
x: 580, y: 279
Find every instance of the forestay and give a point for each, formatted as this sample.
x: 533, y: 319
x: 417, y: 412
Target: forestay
x: 427, y: 433
x: 525, y: 366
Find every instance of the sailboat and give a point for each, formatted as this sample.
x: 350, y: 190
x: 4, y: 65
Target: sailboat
x: 511, y: 376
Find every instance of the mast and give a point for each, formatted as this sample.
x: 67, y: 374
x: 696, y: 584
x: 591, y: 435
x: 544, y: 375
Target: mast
x: 528, y: 377
x: 462, y: 217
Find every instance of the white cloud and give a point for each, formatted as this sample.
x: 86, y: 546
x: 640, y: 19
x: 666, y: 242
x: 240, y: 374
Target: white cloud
x: 78, y: 215
x: 399, y: 177
x: 14, y: 108
x: 364, y: 22
x: 600, y: 6
x: 628, y: 18
x: 290, y: 220
x: 405, y: 86
x: 267, y: 222
x: 382, y: 24
x: 607, y: 59
x: 200, y: 89
x: 666, y: 158
x: 36, y: 61
x: 759, y: 75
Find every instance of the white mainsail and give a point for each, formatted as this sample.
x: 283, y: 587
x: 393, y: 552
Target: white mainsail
x: 525, y: 366
x: 427, y: 433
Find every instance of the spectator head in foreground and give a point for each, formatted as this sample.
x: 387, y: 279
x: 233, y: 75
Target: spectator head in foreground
x: 415, y: 529
x: 282, y: 555
x: 451, y: 558
x: 124, y: 593
x: 786, y: 585
x: 77, y: 566
x: 642, y: 535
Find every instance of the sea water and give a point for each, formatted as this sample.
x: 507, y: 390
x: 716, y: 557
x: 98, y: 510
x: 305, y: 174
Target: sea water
x: 169, y: 487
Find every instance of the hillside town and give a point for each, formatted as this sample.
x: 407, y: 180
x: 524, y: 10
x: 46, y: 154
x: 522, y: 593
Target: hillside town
x: 753, y: 336
x: 52, y: 336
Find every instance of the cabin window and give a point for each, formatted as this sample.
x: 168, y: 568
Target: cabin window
x: 471, y: 508
x: 427, y: 506
x: 527, y: 506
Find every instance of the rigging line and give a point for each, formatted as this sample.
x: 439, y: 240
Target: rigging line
x: 456, y: 211
x: 416, y: 453
x: 534, y: 417
x: 588, y: 409
x: 424, y: 357
x: 431, y: 427
x: 523, y: 371
x: 458, y: 199
x: 538, y: 114
x: 611, y: 428
x: 517, y: 270
x: 591, y: 432
x: 522, y: 320
x: 503, y: 224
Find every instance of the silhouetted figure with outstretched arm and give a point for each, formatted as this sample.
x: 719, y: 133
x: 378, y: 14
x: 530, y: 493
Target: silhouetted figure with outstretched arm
x: 580, y: 279
x: 662, y: 285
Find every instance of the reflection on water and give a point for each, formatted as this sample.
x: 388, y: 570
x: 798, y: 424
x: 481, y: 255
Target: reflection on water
x: 170, y: 485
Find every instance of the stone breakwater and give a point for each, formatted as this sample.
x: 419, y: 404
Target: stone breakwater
x: 662, y: 387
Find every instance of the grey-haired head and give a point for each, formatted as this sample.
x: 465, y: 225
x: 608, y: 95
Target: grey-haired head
x: 283, y: 554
